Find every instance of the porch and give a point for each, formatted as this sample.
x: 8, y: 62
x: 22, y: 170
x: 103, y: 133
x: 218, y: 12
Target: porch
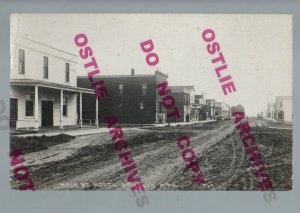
x: 39, y: 105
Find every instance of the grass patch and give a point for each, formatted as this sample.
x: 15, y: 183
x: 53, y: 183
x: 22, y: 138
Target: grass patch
x: 35, y: 144
x: 154, y: 137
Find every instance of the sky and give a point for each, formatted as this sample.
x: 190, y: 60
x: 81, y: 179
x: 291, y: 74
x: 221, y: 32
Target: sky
x: 257, y: 49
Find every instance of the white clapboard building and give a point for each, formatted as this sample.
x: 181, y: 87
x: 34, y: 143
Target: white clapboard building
x: 43, y: 86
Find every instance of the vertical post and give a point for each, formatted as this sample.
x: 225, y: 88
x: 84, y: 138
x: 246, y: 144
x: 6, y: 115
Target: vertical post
x: 156, y: 112
x: 61, y: 108
x: 214, y: 110
x: 80, y: 109
x: 141, y: 118
x: 36, y: 107
x: 211, y: 110
x: 96, y: 121
x: 141, y: 108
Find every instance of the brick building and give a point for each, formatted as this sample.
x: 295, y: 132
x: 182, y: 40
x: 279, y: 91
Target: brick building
x: 182, y: 95
x: 126, y: 95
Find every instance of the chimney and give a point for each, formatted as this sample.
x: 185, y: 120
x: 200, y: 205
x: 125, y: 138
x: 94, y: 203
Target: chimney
x: 132, y: 71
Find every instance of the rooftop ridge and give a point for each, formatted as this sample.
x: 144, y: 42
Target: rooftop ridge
x: 40, y: 43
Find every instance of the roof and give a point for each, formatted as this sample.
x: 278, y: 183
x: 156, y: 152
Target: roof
x: 125, y: 76
x: 182, y: 89
x: 41, y: 48
x: 31, y: 82
x: 198, y: 96
x: 115, y: 76
x: 46, y: 45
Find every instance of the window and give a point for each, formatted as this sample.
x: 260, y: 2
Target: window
x: 186, y: 99
x: 67, y: 72
x: 159, y: 107
x: 121, y: 87
x: 45, y: 67
x: 144, y: 89
x: 65, y: 106
x: 29, y: 105
x: 280, y: 104
x: 29, y: 108
x: 21, y: 61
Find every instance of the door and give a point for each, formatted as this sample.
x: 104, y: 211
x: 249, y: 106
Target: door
x: 13, y: 112
x: 47, y: 113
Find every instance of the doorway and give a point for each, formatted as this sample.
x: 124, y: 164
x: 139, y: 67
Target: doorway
x: 13, y: 112
x: 47, y: 113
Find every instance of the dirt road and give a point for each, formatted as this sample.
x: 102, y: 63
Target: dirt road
x: 90, y: 163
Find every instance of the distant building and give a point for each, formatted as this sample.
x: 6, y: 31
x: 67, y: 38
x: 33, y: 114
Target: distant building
x: 218, y: 108
x: 210, y: 108
x: 43, y: 86
x: 222, y: 110
x: 182, y: 95
x: 284, y: 108
x: 126, y: 95
x: 226, y: 112
x: 271, y: 111
x: 200, y: 107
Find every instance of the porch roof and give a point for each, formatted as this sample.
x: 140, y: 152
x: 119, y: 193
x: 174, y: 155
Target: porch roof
x: 31, y: 82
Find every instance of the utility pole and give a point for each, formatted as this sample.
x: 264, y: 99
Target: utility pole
x: 141, y: 108
x: 214, y: 108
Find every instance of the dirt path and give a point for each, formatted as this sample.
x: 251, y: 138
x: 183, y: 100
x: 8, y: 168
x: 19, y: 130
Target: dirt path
x: 91, y: 159
x: 158, y: 162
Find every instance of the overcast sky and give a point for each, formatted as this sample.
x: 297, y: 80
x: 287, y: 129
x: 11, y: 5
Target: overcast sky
x: 257, y: 49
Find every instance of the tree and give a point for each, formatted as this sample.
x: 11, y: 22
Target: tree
x: 238, y: 108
